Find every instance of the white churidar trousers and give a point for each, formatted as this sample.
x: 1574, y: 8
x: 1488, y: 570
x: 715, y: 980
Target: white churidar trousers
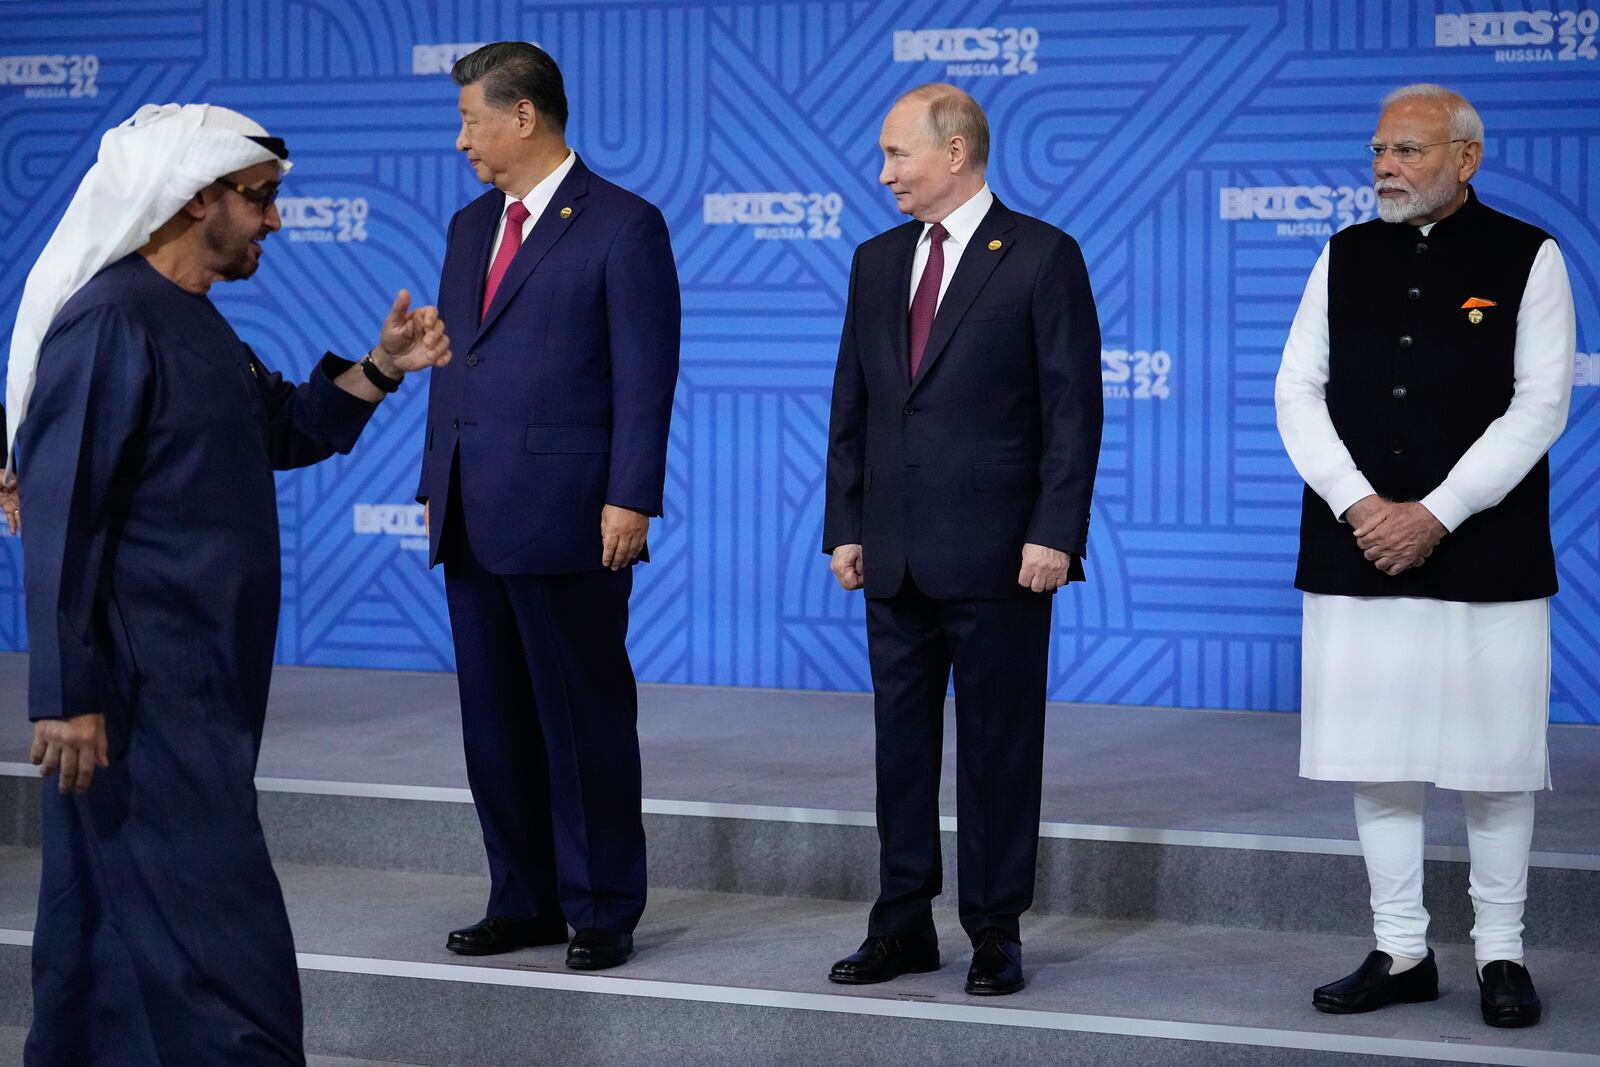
x: 1499, y: 837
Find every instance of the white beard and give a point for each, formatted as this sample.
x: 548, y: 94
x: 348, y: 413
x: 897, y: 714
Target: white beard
x: 1416, y: 201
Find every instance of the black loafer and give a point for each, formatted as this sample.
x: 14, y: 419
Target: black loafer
x: 1371, y: 986
x: 1506, y: 994
x: 996, y: 964
x: 881, y: 958
x: 491, y: 935
x: 596, y: 950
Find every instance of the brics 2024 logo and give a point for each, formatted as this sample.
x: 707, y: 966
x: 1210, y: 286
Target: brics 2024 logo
x: 1522, y: 36
x: 393, y: 520
x: 324, y: 218
x: 1136, y: 375
x: 1301, y: 210
x: 1587, y: 372
x: 439, y: 58
x: 45, y: 76
x: 777, y: 216
x: 985, y: 51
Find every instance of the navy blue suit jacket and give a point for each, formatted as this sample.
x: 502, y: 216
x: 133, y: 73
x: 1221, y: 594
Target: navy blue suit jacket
x: 995, y: 443
x: 559, y: 400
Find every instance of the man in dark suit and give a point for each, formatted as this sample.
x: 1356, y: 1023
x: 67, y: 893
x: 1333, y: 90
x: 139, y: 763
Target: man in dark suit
x: 546, y: 453
x: 961, y: 458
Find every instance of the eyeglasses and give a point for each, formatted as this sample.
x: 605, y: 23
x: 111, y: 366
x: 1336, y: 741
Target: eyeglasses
x: 261, y: 198
x: 1406, y: 155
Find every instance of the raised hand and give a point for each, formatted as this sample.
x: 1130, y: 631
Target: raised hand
x: 411, y: 340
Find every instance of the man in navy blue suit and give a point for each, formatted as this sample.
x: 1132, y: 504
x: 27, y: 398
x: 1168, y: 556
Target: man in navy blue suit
x: 962, y: 449
x: 544, y: 461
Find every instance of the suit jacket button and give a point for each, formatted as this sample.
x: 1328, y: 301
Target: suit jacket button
x: 1414, y: 293
x: 1398, y: 392
x: 455, y: 424
x: 472, y: 360
x: 909, y: 411
x: 1422, y: 247
x: 1405, y: 342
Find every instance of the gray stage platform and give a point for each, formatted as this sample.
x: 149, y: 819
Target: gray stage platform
x: 1192, y: 891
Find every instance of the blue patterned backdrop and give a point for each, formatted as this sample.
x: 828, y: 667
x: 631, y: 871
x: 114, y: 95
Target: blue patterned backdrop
x: 1201, y: 152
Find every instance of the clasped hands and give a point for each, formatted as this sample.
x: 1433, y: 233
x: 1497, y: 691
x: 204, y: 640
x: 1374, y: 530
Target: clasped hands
x: 1394, y: 536
x: 1043, y: 569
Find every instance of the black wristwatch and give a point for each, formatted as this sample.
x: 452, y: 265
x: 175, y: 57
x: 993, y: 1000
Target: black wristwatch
x: 379, y: 379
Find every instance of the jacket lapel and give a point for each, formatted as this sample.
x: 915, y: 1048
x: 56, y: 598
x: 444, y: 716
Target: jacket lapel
x: 546, y: 232
x: 478, y: 240
x: 978, y: 262
x: 898, y: 275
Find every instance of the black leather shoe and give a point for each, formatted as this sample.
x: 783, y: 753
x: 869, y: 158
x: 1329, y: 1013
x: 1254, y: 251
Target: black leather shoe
x: 1371, y: 986
x: 595, y: 950
x: 490, y: 935
x: 996, y: 964
x: 1506, y: 995
x: 882, y: 958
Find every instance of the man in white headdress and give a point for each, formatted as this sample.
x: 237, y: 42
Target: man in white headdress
x: 146, y: 433
x: 1426, y: 376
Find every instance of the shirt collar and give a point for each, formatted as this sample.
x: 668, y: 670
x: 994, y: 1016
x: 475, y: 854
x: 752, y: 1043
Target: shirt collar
x: 540, y: 194
x: 963, y: 222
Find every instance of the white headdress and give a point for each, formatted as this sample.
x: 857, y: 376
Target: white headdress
x: 148, y: 168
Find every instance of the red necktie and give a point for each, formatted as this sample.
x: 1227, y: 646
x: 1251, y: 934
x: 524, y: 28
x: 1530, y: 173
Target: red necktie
x: 926, y: 299
x: 516, y: 215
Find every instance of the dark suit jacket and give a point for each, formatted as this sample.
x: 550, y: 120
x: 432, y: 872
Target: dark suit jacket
x: 996, y: 442
x: 559, y: 400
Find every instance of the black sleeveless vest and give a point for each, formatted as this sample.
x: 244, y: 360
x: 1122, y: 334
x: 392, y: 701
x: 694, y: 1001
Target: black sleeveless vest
x: 1414, y: 379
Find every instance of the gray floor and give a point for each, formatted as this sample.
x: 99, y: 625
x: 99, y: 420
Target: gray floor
x: 13, y: 1037
x: 1118, y: 766
x: 1149, y: 970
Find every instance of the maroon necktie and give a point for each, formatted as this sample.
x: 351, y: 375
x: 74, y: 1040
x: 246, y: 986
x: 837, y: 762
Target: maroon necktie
x: 516, y: 215
x: 926, y: 299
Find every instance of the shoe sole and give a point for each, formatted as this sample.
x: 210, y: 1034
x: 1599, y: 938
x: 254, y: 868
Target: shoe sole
x: 1363, y: 1007
x: 1513, y: 1023
x: 994, y: 991
x: 595, y: 965
x: 468, y: 951
x: 843, y: 979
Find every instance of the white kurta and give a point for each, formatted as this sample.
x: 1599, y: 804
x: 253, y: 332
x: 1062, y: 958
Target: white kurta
x: 1410, y: 688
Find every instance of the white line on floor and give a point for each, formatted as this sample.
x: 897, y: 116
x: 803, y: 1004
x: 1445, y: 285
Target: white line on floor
x: 1066, y: 831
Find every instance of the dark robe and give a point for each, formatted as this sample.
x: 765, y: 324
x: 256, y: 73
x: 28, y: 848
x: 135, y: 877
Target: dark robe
x: 151, y: 573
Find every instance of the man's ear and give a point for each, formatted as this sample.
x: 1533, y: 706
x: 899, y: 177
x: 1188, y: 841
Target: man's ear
x: 956, y: 153
x: 196, y: 207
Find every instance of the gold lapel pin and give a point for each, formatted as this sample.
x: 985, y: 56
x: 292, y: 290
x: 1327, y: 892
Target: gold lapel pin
x: 1474, y: 316
x: 566, y: 212
x: 994, y: 246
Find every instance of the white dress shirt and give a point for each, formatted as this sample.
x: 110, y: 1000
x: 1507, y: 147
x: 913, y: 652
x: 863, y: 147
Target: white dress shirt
x: 1544, y: 363
x: 536, y: 201
x: 961, y: 224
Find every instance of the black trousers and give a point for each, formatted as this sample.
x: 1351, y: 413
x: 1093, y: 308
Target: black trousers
x: 999, y: 650
x: 549, y: 716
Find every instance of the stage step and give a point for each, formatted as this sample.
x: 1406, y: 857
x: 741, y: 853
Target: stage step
x: 1101, y: 872
x: 724, y: 978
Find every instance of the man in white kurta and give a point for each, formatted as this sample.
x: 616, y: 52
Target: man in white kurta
x: 1427, y: 373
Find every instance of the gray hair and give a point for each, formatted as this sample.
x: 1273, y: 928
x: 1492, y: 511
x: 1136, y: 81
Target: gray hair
x: 952, y: 113
x: 1465, y: 123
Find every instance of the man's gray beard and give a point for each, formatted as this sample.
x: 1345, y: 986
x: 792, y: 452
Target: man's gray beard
x: 1417, y: 201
